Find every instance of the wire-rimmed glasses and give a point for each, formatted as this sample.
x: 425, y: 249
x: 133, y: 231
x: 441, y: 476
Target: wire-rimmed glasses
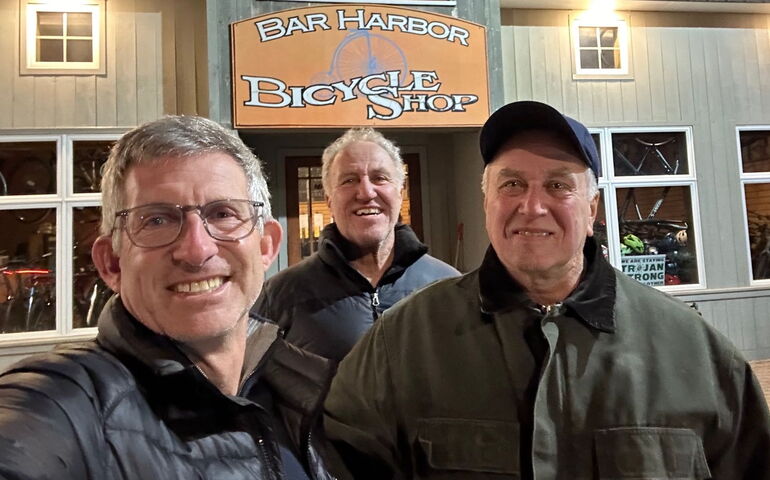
x: 160, y: 224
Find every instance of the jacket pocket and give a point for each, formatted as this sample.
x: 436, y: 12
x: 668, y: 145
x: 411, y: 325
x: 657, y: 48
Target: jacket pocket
x: 470, y: 445
x: 650, y: 453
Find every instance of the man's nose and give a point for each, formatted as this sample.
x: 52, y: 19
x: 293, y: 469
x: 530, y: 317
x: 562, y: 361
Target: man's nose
x: 194, y: 245
x: 533, y: 202
x: 365, y: 189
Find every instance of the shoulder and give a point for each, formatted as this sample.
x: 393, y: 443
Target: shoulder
x: 438, y: 299
x: 670, y: 323
x: 72, y: 374
x: 437, y: 267
x: 296, y: 274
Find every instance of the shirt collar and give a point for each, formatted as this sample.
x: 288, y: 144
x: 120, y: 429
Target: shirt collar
x: 592, y: 302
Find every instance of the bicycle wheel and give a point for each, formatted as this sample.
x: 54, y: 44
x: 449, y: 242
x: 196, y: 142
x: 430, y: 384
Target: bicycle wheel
x: 364, y: 54
x: 31, y: 177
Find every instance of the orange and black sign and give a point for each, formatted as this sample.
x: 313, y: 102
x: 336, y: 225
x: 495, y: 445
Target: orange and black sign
x: 350, y: 65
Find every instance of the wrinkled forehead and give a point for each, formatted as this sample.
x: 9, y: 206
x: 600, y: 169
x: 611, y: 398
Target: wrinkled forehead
x: 363, y: 155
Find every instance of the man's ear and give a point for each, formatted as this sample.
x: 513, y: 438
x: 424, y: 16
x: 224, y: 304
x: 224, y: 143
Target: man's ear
x: 106, y: 262
x: 593, y: 206
x: 270, y: 242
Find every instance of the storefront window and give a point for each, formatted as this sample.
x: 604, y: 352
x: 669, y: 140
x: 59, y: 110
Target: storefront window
x: 649, y: 154
x: 651, y: 190
x: 655, y: 232
x: 755, y: 175
x: 28, y: 266
x: 27, y: 168
x: 47, y: 281
x: 314, y: 213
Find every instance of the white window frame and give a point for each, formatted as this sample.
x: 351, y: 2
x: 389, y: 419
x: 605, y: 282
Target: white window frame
x: 621, y: 24
x: 30, y: 65
x: 745, y: 179
x: 63, y: 200
x: 609, y: 183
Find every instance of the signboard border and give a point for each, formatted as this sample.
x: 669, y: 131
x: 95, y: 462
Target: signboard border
x: 348, y: 3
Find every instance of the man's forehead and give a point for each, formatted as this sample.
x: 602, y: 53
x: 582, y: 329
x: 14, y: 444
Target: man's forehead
x: 359, y: 155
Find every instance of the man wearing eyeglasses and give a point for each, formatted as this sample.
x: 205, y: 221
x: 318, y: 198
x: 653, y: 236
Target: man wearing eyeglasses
x: 180, y: 382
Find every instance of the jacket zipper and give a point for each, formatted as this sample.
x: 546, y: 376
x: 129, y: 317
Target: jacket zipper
x: 271, y: 470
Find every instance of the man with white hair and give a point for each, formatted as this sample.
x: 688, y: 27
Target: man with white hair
x: 180, y: 382
x: 366, y: 261
x: 545, y: 363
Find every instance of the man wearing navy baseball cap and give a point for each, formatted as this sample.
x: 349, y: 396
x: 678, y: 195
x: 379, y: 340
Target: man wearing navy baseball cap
x: 545, y: 362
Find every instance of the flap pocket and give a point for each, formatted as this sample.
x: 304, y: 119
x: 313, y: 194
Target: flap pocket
x: 650, y: 453
x: 470, y: 445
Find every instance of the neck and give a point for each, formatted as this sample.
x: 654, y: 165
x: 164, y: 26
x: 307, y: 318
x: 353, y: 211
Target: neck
x: 552, y: 286
x: 373, y: 265
x: 221, y: 359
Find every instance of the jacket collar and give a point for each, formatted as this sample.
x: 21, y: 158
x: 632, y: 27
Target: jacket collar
x: 160, y: 356
x: 592, y: 302
x: 337, y: 251
x: 267, y: 357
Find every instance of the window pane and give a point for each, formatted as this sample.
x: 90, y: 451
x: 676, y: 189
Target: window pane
x: 655, y: 229
x: 608, y: 37
x: 302, y: 190
x: 755, y: 151
x: 597, y: 141
x: 758, y: 213
x: 589, y: 59
x: 27, y: 168
x: 587, y: 36
x: 50, y: 50
x: 79, y: 24
x: 610, y: 59
x: 650, y: 153
x: 50, y: 23
x: 302, y: 172
x: 89, y: 291
x: 79, y: 51
x: 315, y: 171
x: 88, y: 158
x: 27, y: 262
x: 318, y: 190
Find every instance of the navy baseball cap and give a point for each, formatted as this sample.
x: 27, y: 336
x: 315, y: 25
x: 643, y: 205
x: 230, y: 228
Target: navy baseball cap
x: 528, y: 115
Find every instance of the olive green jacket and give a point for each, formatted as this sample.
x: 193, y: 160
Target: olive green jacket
x: 468, y: 379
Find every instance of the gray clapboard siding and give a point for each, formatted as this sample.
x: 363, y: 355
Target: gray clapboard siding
x: 710, y: 72
x: 156, y: 64
x: 8, y: 29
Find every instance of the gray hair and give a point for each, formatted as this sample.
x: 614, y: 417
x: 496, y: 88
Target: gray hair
x: 354, y: 135
x: 177, y: 136
x: 592, y: 188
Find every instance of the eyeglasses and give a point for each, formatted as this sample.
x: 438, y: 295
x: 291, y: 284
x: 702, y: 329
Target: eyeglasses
x: 159, y: 224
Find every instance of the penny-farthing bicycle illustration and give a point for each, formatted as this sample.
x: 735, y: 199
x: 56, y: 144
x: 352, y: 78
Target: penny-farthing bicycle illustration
x: 359, y: 54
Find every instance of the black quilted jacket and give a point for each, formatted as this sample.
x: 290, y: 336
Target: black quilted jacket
x: 130, y: 405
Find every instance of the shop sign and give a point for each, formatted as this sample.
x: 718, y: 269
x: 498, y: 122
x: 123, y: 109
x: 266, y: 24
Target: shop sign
x: 647, y: 269
x: 346, y: 65
x: 433, y: 3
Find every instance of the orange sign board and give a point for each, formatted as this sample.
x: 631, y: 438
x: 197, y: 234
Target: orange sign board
x: 354, y: 65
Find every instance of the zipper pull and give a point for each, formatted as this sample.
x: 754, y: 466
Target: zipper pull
x: 375, y: 299
x: 546, y: 309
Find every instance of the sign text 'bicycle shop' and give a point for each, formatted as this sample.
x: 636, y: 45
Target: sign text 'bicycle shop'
x: 347, y: 66
x: 387, y: 101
